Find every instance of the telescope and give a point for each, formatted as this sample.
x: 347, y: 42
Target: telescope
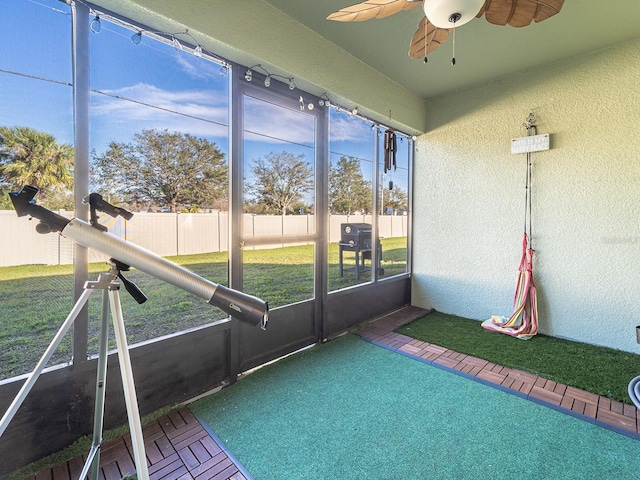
x: 123, y: 255
x: 246, y: 308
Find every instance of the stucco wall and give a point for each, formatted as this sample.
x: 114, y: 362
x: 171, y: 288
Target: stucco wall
x: 469, y: 198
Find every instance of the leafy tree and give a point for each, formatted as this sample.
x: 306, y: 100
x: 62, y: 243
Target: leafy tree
x: 396, y: 198
x: 5, y: 201
x: 349, y: 192
x: 256, y: 208
x: 165, y: 169
x: 280, y: 181
x: 30, y: 157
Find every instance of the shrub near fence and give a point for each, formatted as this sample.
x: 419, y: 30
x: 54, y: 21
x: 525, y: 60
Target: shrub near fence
x: 169, y: 233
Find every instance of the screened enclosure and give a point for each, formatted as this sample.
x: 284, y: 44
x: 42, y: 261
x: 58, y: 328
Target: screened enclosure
x: 230, y: 171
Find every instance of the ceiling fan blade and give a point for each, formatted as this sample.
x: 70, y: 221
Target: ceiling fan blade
x: 519, y: 13
x: 547, y: 9
x: 371, y: 9
x: 427, y: 38
x: 483, y: 9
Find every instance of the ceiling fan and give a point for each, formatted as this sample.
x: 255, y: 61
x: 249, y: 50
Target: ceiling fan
x: 443, y: 16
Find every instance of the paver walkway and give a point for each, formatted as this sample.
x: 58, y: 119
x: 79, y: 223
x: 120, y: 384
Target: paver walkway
x: 177, y: 447
x: 620, y: 417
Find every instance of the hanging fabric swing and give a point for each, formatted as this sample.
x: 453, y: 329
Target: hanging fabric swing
x: 523, y: 323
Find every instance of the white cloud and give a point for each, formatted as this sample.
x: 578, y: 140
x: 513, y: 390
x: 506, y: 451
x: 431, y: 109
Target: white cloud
x: 122, y: 112
x: 345, y: 128
x: 146, y: 106
x: 137, y: 101
x: 196, y: 67
x: 143, y: 106
x: 275, y: 124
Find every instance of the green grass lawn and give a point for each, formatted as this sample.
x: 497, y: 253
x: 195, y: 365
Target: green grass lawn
x: 36, y: 299
x: 603, y: 371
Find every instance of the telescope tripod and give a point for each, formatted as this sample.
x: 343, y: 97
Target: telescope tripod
x: 107, y: 282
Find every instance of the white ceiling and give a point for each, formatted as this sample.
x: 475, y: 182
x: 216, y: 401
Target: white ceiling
x: 483, y: 51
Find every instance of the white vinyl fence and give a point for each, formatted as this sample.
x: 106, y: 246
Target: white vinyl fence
x: 168, y: 233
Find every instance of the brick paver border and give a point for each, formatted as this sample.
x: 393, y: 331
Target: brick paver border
x: 604, y: 412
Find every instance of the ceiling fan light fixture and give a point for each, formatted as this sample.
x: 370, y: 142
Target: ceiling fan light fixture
x: 450, y: 13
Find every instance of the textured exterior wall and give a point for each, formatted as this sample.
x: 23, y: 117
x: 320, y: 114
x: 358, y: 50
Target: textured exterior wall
x: 469, y: 198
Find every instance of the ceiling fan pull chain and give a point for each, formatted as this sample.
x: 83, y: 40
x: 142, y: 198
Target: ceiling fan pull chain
x: 426, y: 43
x: 453, y: 57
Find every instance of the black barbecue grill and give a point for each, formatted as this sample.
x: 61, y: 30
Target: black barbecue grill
x: 357, y: 238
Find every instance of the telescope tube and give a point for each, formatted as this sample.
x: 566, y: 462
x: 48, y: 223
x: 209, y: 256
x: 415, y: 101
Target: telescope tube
x: 246, y: 308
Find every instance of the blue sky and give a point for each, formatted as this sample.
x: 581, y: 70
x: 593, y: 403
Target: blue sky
x: 36, y: 41
x: 190, y: 92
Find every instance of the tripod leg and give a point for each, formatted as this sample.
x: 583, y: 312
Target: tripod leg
x: 129, y: 386
x: 31, y: 379
x: 101, y: 386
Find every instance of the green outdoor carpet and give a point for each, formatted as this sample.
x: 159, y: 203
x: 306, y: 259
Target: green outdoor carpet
x: 352, y: 410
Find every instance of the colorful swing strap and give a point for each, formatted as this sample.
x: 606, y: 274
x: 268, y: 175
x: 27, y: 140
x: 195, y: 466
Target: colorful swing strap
x: 531, y: 130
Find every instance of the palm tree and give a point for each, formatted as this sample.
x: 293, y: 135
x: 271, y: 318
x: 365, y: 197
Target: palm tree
x: 30, y: 157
